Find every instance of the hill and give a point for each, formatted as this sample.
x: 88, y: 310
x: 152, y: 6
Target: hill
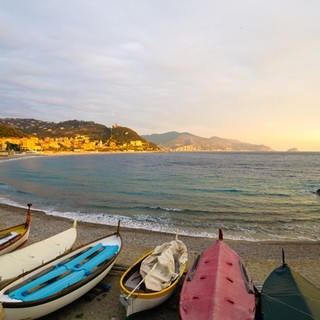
x: 7, y: 131
x: 175, y: 141
x: 118, y: 137
x: 44, y: 129
x: 121, y: 137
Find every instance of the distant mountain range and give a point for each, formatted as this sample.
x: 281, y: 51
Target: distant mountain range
x: 170, y: 141
x: 175, y: 141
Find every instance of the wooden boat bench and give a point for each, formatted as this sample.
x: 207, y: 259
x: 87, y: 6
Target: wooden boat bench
x: 7, y: 237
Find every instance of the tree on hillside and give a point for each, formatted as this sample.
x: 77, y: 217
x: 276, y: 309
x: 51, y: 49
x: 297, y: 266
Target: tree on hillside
x: 9, y: 132
x: 12, y: 147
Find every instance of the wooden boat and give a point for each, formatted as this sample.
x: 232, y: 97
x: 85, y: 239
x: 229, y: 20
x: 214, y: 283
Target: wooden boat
x: 14, y: 237
x: 217, y: 286
x: 20, y: 261
x: 60, y: 281
x: 153, y: 278
x: 286, y: 294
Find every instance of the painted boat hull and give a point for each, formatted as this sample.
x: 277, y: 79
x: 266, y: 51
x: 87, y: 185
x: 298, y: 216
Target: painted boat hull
x: 37, y: 311
x: 138, y: 301
x: 22, y: 229
x: 286, y: 294
x: 19, y: 310
x: 217, y: 287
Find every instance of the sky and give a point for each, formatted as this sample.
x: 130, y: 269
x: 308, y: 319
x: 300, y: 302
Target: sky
x: 237, y: 69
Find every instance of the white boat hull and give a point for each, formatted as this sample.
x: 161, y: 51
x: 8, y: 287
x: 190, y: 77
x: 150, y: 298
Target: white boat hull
x: 16, y: 244
x: 38, y: 311
x: 136, y: 304
x: 15, y: 309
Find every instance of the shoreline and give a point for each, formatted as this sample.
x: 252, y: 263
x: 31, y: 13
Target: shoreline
x: 260, y: 257
x: 42, y: 211
x: 69, y: 153
x: 79, y: 153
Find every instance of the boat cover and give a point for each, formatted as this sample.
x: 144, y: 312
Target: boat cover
x: 287, y: 295
x: 163, y: 265
x: 17, y: 262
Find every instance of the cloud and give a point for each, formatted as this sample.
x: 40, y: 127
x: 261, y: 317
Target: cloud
x: 207, y: 67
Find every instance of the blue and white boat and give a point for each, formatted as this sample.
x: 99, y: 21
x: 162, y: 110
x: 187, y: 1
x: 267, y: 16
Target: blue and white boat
x: 61, y: 281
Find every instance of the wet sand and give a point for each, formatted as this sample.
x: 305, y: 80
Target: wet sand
x: 260, y: 258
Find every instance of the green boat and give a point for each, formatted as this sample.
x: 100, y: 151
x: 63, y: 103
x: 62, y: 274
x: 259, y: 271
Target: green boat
x: 286, y: 294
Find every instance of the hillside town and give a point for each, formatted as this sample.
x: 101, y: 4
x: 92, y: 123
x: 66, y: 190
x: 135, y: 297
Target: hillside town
x: 79, y: 143
x: 36, y: 136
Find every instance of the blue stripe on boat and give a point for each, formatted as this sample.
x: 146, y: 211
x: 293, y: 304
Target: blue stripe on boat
x: 29, y: 292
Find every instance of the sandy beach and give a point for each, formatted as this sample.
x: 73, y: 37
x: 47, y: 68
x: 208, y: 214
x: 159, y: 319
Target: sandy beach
x: 260, y: 258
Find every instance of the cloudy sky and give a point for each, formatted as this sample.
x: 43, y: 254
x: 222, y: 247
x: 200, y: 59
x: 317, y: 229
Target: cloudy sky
x: 238, y: 69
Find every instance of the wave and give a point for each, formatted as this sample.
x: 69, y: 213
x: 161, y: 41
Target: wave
x: 3, y: 186
x: 19, y: 157
x: 6, y: 200
x: 210, y: 190
x: 253, y: 232
x: 166, y: 209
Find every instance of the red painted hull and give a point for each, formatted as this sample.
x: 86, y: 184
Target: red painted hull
x: 218, y: 287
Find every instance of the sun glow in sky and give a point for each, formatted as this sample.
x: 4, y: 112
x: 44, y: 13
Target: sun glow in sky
x: 246, y: 70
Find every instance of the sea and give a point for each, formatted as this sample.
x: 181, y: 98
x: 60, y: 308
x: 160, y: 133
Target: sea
x: 251, y: 196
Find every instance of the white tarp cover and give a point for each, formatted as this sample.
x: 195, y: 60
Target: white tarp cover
x: 17, y: 262
x: 161, y: 267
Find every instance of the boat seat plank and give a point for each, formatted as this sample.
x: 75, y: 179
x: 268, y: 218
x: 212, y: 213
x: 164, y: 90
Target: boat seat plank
x: 106, y: 253
x: 53, y: 287
x: 72, y: 263
x: 63, y: 262
x: 5, y: 235
x: 48, y: 282
x: 37, y: 282
x: 8, y: 237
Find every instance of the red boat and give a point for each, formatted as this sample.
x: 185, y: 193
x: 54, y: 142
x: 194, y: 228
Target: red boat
x: 217, y: 287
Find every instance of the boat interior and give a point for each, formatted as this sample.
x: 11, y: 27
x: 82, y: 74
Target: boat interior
x: 64, y: 274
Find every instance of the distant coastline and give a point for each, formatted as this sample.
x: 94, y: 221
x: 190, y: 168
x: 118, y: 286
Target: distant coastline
x: 74, y: 153
x: 66, y: 153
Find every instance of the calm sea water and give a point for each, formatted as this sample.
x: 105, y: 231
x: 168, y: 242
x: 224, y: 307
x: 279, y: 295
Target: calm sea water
x: 254, y: 196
